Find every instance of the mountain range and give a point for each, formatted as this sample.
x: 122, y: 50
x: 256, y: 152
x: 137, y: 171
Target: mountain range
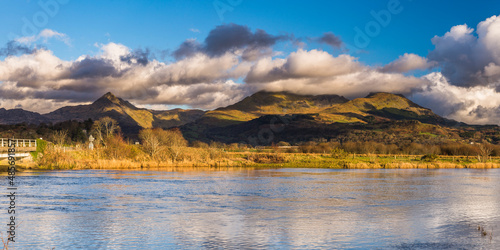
x: 262, y: 118
x: 130, y: 118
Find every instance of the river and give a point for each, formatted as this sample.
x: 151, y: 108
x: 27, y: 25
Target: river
x: 257, y: 208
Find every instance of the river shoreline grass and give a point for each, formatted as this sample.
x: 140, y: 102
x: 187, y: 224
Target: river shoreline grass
x: 85, y: 159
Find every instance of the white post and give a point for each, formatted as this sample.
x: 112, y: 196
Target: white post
x: 24, y: 145
x: 35, y: 143
x: 29, y: 142
x: 17, y: 143
x: 2, y: 142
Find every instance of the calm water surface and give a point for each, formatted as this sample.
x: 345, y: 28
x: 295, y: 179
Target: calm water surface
x: 272, y: 208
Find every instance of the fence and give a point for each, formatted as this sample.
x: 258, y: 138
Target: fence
x: 19, y: 143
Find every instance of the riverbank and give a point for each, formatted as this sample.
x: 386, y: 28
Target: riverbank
x: 193, y: 158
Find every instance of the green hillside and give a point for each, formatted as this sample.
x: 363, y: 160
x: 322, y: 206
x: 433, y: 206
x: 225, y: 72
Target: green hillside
x: 269, y: 103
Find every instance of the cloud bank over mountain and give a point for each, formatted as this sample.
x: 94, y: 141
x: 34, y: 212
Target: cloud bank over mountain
x: 235, y: 61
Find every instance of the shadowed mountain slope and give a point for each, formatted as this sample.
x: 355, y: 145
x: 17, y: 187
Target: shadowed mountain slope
x: 16, y: 116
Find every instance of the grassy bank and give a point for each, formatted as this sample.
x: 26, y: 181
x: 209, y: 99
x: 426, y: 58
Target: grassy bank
x: 131, y: 157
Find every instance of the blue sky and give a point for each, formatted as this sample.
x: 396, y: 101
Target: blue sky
x: 444, y: 55
x: 163, y: 25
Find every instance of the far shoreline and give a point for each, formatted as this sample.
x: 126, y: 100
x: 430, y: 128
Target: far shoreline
x: 252, y: 160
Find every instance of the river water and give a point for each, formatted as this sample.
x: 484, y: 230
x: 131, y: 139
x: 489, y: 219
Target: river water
x: 263, y: 208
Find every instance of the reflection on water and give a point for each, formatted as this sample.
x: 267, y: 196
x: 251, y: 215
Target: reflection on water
x: 252, y: 208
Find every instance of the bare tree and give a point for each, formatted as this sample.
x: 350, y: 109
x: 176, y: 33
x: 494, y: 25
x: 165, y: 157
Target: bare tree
x: 175, y: 142
x: 485, y: 149
x: 155, y: 141
x: 60, y: 137
x: 151, y: 141
x: 104, y: 128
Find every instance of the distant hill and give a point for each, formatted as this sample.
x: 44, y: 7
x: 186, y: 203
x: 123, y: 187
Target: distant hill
x: 382, y: 107
x: 293, y: 117
x: 130, y: 118
x: 16, y: 116
x: 175, y: 117
x: 268, y: 103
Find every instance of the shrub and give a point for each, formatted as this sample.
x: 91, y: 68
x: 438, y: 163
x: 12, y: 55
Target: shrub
x: 117, y: 148
x: 41, y: 145
x: 199, y: 144
x: 429, y: 157
x: 267, y: 158
x: 338, y: 153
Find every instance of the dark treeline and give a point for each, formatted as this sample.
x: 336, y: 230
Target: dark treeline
x: 76, y: 131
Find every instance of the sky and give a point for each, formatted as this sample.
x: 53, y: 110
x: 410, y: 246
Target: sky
x: 444, y: 55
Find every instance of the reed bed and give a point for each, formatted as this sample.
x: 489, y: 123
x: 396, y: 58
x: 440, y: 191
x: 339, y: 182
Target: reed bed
x: 132, y: 157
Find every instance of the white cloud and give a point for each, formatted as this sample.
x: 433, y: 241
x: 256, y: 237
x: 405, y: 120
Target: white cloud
x: 303, y: 64
x: 44, y: 36
x: 201, y: 81
x: 467, y: 59
x: 463, y: 104
x: 407, y: 63
x: 318, y: 72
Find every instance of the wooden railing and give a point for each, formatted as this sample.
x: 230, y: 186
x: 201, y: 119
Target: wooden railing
x: 18, y: 143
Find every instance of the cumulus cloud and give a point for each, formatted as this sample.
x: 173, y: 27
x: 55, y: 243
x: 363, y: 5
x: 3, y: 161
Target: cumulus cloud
x: 33, y: 104
x: 468, y: 87
x: 199, y: 79
x: 470, y: 59
x: 490, y: 114
x: 331, y: 39
x: 231, y: 38
x: 407, y: 63
x: 44, y: 36
x: 138, y: 56
x: 204, y: 95
x: 302, y: 64
x: 474, y: 105
x: 129, y: 74
x: 354, y: 85
x: 32, y: 70
x: 187, y: 49
x: 92, y: 68
x: 318, y: 72
x: 14, y: 48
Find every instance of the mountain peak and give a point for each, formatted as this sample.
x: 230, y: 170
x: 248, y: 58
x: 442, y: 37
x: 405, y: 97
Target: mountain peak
x: 384, y: 94
x: 109, y: 99
x: 109, y: 96
x: 398, y: 100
